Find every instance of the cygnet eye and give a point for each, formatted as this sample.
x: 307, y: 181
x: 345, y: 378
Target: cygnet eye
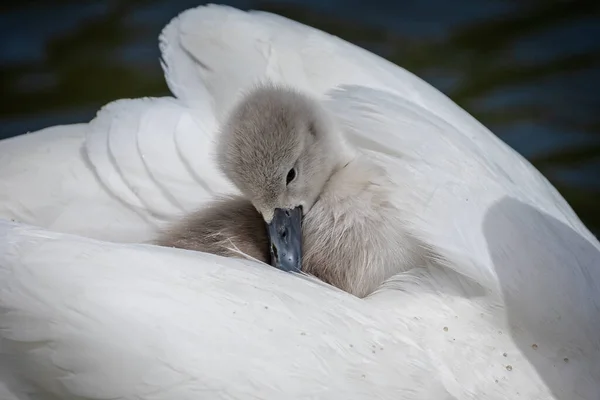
x: 290, y: 176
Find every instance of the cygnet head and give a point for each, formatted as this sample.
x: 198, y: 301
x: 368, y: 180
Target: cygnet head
x: 280, y: 147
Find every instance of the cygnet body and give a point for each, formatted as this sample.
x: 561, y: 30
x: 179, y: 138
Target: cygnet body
x: 229, y: 227
x: 327, y: 208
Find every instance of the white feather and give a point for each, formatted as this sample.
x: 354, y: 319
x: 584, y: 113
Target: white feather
x: 513, y: 314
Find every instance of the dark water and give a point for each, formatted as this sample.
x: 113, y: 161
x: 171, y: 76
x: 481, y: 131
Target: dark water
x: 529, y: 70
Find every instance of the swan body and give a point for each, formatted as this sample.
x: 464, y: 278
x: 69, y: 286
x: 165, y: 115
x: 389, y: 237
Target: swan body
x: 509, y: 308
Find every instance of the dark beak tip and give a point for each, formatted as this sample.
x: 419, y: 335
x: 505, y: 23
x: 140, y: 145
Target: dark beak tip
x: 285, y: 235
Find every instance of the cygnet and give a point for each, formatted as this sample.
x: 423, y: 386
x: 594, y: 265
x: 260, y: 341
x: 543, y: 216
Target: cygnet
x: 311, y: 202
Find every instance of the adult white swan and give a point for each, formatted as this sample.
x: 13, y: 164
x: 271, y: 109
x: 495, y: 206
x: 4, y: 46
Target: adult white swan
x: 509, y: 310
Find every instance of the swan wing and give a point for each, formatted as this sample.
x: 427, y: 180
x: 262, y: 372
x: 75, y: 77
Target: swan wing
x: 46, y: 180
x: 156, y: 155
x: 82, y: 318
x: 528, y: 282
x: 138, y: 165
x: 420, y: 124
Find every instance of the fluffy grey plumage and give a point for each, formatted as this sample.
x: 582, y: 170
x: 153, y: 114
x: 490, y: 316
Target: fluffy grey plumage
x: 353, y: 234
x: 229, y: 227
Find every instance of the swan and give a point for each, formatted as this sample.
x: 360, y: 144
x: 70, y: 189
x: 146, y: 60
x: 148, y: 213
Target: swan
x: 90, y: 309
x: 329, y: 211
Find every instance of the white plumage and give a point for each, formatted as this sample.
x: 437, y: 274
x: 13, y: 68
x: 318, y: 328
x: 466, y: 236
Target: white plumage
x: 514, y: 312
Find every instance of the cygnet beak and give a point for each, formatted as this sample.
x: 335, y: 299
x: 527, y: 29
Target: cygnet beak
x: 285, y: 235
